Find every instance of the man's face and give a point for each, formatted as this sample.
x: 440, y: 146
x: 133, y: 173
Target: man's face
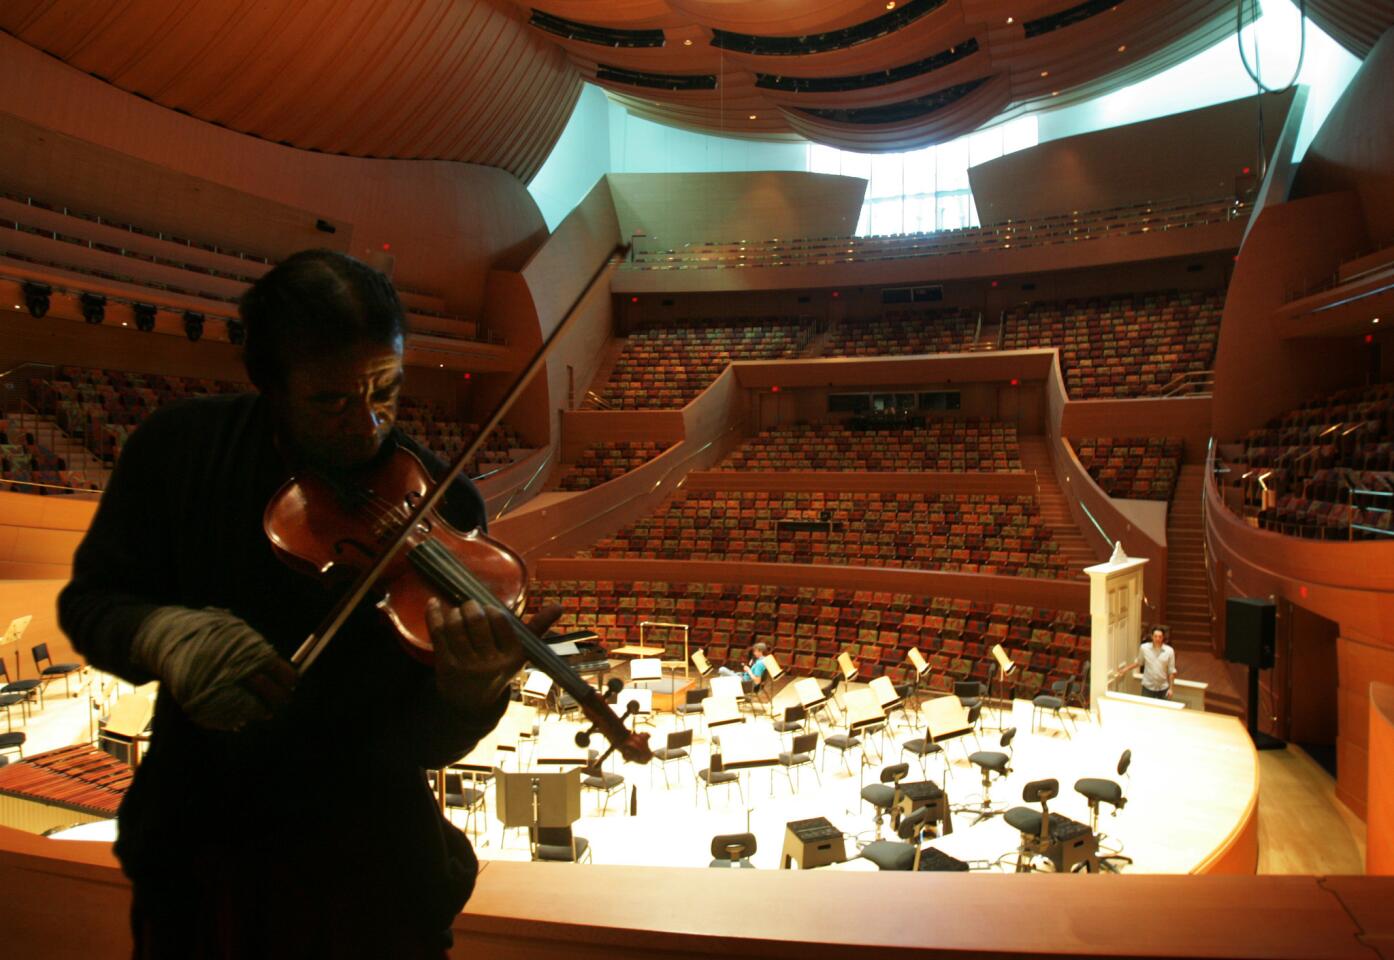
x: 1158, y: 638
x: 334, y: 412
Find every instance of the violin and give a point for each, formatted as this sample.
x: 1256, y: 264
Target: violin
x: 382, y: 527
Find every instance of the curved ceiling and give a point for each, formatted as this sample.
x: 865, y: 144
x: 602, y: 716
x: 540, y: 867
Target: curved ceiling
x: 477, y: 81
x: 906, y: 74
x: 1354, y: 24
x: 431, y: 79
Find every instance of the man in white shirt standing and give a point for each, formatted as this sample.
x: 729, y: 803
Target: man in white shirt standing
x: 1158, y: 662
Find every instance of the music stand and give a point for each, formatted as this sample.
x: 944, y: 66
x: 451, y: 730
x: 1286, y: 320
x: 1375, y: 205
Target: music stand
x: 811, y: 697
x: 921, y: 667
x: 1004, y: 667
x: 945, y: 719
x: 864, y: 717
x: 641, y: 697
x: 719, y: 711
x: 12, y: 635
x: 538, y: 801
x: 746, y: 747
x: 727, y: 688
x: 645, y: 670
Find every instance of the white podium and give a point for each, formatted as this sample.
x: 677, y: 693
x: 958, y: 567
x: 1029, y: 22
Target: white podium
x: 1115, y: 618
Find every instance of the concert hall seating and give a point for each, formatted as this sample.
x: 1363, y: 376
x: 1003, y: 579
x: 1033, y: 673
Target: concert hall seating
x: 971, y: 533
x: 806, y: 627
x: 103, y: 407
x: 666, y: 366
x: 1122, y: 346
x: 601, y: 462
x: 65, y: 245
x: 903, y: 331
x: 1324, y: 470
x: 1132, y: 468
x: 446, y: 438
x: 942, y: 444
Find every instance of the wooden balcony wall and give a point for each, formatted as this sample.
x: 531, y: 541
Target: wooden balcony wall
x: 1064, y: 256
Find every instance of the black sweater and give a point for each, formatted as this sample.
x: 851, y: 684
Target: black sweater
x: 332, y: 789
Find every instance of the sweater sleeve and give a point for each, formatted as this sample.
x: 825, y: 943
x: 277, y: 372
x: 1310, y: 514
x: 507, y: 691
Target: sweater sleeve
x: 120, y: 567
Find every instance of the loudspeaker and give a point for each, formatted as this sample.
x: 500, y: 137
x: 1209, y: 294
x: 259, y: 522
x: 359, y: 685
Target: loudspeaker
x: 1249, y: 631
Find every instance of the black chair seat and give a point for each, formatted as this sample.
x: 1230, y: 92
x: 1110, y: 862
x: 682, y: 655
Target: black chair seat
x: 890, y: 854
x: 465, y: 800
x: 935, y: 860
x: 787, y: 726
x: 1046, y: 702
x: 58, y: 669
x: 20, y: 686
x: 841, y: 741
x: 12, y: 741
x: 1028, y: 821
x: 558, y: 853
x: 794, y: 759
x: 879, y: 795
x: 969, y: 702
x: 991, y: 760
x: 1094, y: 788
x: 688, y: 708
x: 605, y: 781
x: 663, y: 753
x: 719, y: 776
x: 920, y: 748
x: 10, y: 699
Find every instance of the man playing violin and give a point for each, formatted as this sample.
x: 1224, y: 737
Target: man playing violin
x: 275, y: 814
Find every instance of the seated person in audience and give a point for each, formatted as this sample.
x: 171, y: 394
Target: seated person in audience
x: 278, y: 815
x: 1158, y: 662
x: 754, y: 670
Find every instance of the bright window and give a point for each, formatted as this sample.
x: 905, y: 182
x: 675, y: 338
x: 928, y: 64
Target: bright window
x: 922, y: 190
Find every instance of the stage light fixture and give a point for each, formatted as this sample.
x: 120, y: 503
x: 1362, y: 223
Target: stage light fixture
x: 236, y: 333
x: 93, y: 308
x: 193, y: 325
x: 36, y: 298
x: 145, y: 316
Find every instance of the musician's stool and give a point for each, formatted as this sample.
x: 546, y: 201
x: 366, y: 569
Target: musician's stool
x: 812, y: 843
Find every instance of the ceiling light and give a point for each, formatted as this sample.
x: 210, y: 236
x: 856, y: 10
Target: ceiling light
x: 687, y: 43
x: 890, y: 4
x: 1055, y: 93
x: 1009, y: 19
x: 1376, y: 320
x: 753, y: 116
x: 1122, y: 47
x: 1045, y: 73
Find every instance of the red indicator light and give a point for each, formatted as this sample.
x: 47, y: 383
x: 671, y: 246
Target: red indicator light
x: 774, y: 389
x: 1016, y: 382
x: 387, y: 246
x: 836, y: 294
x: 1245, y: 171
x: 467, y: 376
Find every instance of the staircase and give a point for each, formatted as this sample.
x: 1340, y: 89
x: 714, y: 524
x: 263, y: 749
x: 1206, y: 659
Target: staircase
x: 589, y: 395
x: 1188, y: 600
x: 1188, y: 603
x: 47, y: 432
x: 1055, y: 510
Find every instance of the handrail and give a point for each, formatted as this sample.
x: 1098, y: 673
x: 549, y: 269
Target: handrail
x: 522, y: 488
x: 628, y: 501
x: 1182, y: 381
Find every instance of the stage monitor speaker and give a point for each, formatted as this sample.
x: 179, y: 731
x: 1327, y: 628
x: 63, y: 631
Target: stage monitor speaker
x: 1249, y: 631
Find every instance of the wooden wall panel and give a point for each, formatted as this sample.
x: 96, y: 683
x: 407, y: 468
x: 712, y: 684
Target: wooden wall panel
x: 677, y: 208
x: 1290, y: 247
x: 1379, y: 838
x: 1198, y: 155
x: 448, y: 223
x: 1354, y: 149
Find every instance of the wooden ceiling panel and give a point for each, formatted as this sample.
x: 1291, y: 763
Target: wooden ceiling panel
x: 1080, y: 57
x: 472, y: 80
x: 1354, y: 24
x: 434, y: 79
